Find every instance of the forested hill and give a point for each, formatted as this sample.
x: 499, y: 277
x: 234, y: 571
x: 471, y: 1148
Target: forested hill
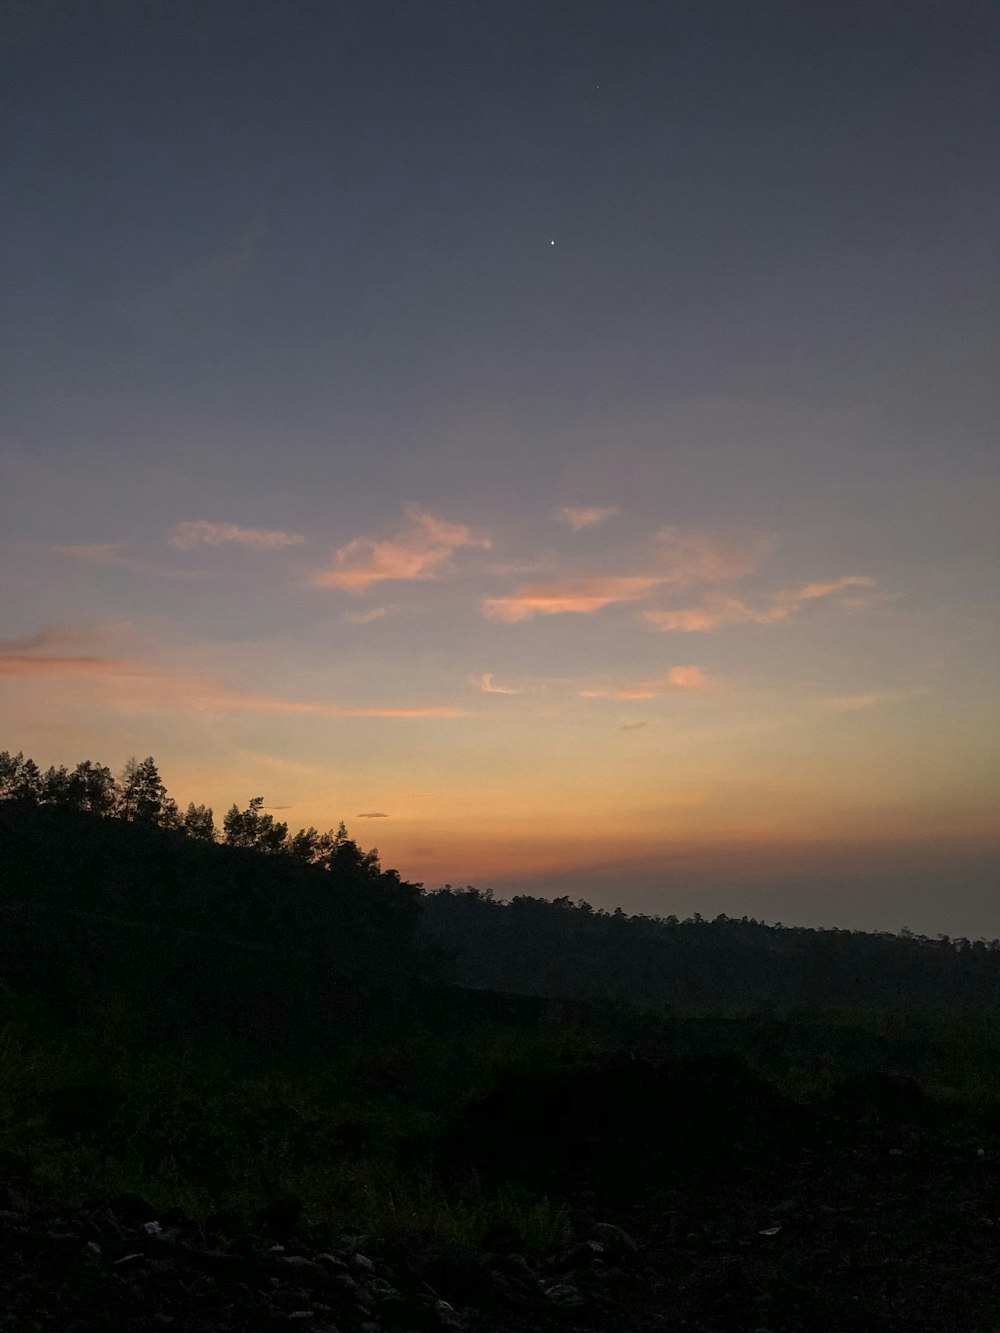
x: 566, y: 948
x: 116, y: 907
x: 107, y: 889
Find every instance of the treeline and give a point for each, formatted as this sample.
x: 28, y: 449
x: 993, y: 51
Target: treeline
x: 115, y: 908
x: 139, y: 796
x: 571, y: 949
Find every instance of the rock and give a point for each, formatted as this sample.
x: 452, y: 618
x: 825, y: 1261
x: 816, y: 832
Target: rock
x: 615, y: 1240
x: 416, y: 1315
x: 362, y: 1262
x: 585, y: 1255
x: 564, y: 1293
x: 507, y: 1263
x: 303, y: 1268
x: 345, y: 1283
x: 447, y: 1314
x: 380, y: 1288
x: 103, y: 1225
x: 332, y: 1261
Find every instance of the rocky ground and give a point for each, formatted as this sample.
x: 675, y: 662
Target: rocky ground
x: 865, y: 1226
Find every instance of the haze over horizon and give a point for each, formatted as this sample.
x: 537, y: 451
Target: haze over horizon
x: 558, y: 440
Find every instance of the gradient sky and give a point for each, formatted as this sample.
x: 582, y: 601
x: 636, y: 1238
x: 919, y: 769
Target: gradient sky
x: 559, y: 440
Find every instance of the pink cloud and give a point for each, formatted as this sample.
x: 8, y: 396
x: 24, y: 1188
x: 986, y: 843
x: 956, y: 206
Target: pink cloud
x: 485, y: 683
x: 98, y: 553
x: 678, y: 680
x: 365, y: 617
x: 681, y: 557
x: 13, y: 664
x: 687, y: 678
x: 578, y: 517
x: 713, y: 613
x: 420, y: 550
x: 186, y: 536
x: 809, y: 591
x: 717, y: 611
x: 581, y: 596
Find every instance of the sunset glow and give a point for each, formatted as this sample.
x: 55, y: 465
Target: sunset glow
x: 658, y: 567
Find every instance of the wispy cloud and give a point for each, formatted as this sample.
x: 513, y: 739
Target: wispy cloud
x: 578, y: 517
x: 678, y: 680
x: 422, y: 549
x: 61, y: 636
x: 680, y: 557
x: 581, y: 596
x: 371, y: 814
x: 633, y: 726
x: 116, y: 555
x: 98, y: 553
x: 144, y: 686
x: 365, y: 617
x: 856, y: 703
x: 716, y: 610
x: 200, y: 532
x: 686, y: 557
x: 14, y: 664
x: 228, y: 700
x: 486, y: 684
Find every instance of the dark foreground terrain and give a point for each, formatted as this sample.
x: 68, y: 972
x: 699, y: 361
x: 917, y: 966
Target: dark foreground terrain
x: 781, y: 1219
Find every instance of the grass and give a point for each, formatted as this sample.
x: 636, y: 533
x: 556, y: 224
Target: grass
x: 208, y: 1132
x: 94, y: 1112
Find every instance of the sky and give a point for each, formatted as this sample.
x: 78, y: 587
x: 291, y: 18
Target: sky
x: 558, y: 440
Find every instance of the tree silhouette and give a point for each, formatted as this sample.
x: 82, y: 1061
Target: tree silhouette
x: 253, y: 828
x: 199, y: 822
x: 20, y: 779
x: 92, y: 787
x: 144, y: 798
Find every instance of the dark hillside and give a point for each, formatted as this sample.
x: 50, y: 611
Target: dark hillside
x: 194, y: 933
x: 570, y: 949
